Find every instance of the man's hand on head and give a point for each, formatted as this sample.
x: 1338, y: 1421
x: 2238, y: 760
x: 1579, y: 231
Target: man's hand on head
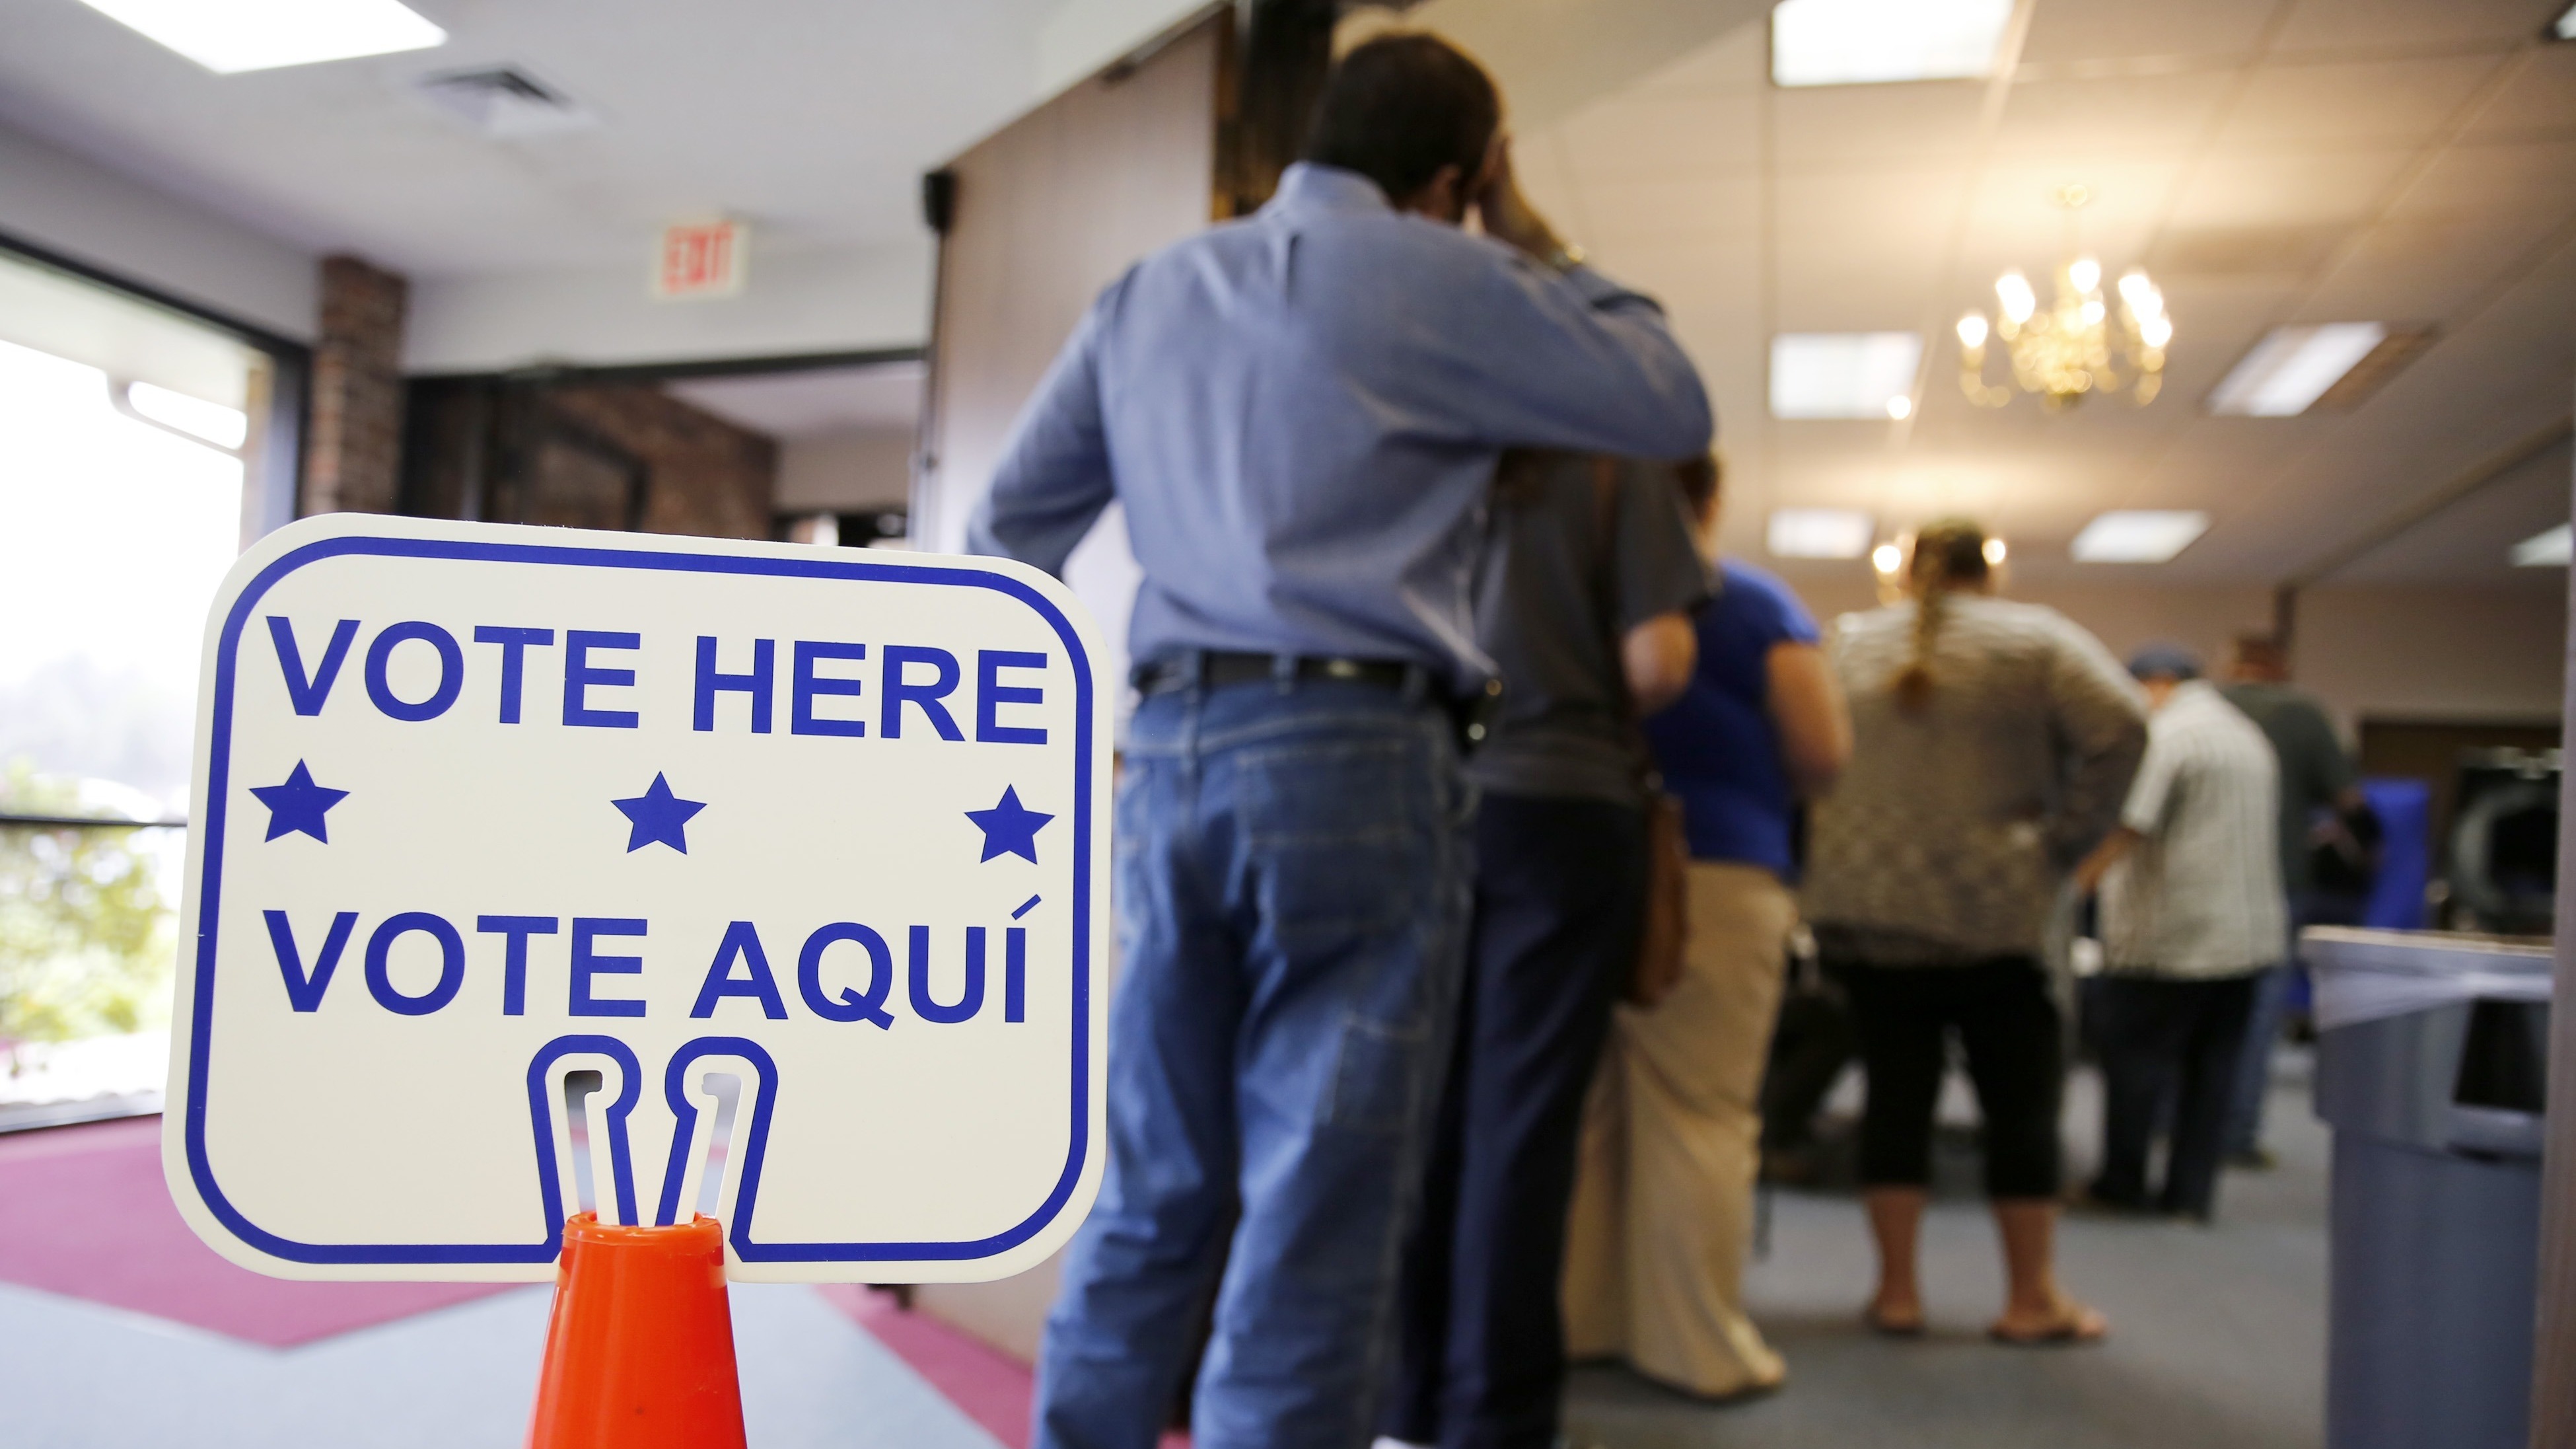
x: 1507, y: 215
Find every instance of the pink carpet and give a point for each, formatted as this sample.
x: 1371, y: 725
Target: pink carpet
x: 84, y: 1213
x: 990, y: 1386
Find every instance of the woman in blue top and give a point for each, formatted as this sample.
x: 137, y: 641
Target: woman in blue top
x: 1663, y: 1213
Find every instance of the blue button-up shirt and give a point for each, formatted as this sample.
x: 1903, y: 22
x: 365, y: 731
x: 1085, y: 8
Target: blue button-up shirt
x: 1302, y: 410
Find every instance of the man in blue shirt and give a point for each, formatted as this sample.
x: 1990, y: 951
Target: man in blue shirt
x: 1301, y: 413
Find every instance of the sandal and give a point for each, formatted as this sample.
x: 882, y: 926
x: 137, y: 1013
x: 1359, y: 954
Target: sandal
x: 1886, y: 1327
x: 2078, y: 1326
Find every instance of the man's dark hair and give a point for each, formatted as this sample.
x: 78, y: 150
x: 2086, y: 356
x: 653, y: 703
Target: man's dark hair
x: 1399, y: 108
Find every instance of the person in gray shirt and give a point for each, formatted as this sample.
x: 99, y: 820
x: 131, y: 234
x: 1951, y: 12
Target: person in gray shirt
x: 2316, y: 777
x: 1583, y: 603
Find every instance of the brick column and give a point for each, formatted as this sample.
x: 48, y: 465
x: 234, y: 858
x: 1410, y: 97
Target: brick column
x: 353, y: 452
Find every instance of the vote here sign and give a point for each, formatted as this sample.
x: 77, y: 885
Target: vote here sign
x: 483, y: 810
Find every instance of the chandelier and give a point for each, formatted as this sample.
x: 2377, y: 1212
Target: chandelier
x: 2074, y: 347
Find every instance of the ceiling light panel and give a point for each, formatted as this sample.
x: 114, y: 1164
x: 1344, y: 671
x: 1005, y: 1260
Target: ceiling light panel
x: 2553, y: 548
x: 1818, y: 533
x: 1866, y: 42
x: 2138, y: 536
x: 1843, y: 374
x: 2564, y: 27
x: 2294, y: 366
x: 231, y: 36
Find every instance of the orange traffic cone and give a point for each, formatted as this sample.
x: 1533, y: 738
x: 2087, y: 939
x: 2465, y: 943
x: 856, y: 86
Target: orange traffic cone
x: 640, y: 1352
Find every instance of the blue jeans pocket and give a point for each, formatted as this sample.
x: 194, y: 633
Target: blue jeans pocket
x: 1339, y: 833
x: 1377, y: 1081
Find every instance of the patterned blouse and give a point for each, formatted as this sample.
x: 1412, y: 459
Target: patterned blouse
x: 1949, y: 834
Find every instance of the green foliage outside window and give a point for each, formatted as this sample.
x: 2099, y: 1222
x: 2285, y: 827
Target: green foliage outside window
x: 87, y: 939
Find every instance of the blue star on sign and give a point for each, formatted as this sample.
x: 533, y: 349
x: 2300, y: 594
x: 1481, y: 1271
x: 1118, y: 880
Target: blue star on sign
x: 298, y: 805
x: 657, y: 814
x: 1010, y: 828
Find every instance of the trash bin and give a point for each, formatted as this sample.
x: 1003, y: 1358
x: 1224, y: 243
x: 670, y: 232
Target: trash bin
x: 2431, y: 1070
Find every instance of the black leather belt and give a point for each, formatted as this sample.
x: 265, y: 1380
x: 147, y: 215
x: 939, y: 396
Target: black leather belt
x: 1215, y: 668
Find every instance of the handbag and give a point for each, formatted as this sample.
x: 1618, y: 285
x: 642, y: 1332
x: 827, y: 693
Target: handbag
x: 1666, y: 929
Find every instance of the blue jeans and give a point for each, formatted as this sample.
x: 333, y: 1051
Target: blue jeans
x: 1293, y: 872
x: 2250, y: 1085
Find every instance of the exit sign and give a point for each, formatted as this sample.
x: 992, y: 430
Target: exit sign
x: 701, y: 259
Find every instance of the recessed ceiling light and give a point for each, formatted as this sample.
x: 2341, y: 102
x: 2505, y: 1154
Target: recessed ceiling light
x: 226, y: 428
x: 1843, y: 374
x: 1818, y: 533
x: 230, y: 36
x: 2138, y: 536
x: 2293, y: 366
x: 2550, y: 548
x: 1862, y: 42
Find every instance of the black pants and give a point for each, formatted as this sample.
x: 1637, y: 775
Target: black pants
x: 2008, y: 1024
x: 1560, y: 899
x: 2168, y: 1044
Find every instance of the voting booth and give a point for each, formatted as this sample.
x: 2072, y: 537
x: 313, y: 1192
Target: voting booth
x: 746, y: 890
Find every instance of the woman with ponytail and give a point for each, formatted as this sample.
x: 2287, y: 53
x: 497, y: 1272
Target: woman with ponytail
x: 1993, y: 744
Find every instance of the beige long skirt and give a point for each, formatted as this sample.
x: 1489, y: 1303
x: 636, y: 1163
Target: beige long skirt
x: 1663, y: 1202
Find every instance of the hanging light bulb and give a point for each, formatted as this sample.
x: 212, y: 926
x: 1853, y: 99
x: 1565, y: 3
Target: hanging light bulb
x: 2074, y: 346
x: 2014, y: 296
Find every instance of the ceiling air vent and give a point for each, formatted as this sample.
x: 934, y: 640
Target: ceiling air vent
x: 505, y: 102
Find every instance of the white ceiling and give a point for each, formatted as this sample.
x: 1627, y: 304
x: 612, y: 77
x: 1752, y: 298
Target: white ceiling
x: 2274, y: 160
x: 811, y: 118
x: 819, y: 403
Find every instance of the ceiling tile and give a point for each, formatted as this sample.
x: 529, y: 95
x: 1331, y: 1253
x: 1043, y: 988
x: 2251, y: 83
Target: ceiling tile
x: 2470, y: 537
x: 815, y: 121
x: 2349, y: 24
x: 2115, y: 116
x: 1672, y: 212
x: 2015, y: 219
x: 1876, y: 125
x: 1690, y: 278
x: 2286, y: 190
x: 2541, y: 96
x: 1864, y: 252
x: 2530, y: 175
x: 2476, y: 213
x: 2075, y: 32
x: 1740, y: 60
x: 1665, y: 134
x: 2354, y: 103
